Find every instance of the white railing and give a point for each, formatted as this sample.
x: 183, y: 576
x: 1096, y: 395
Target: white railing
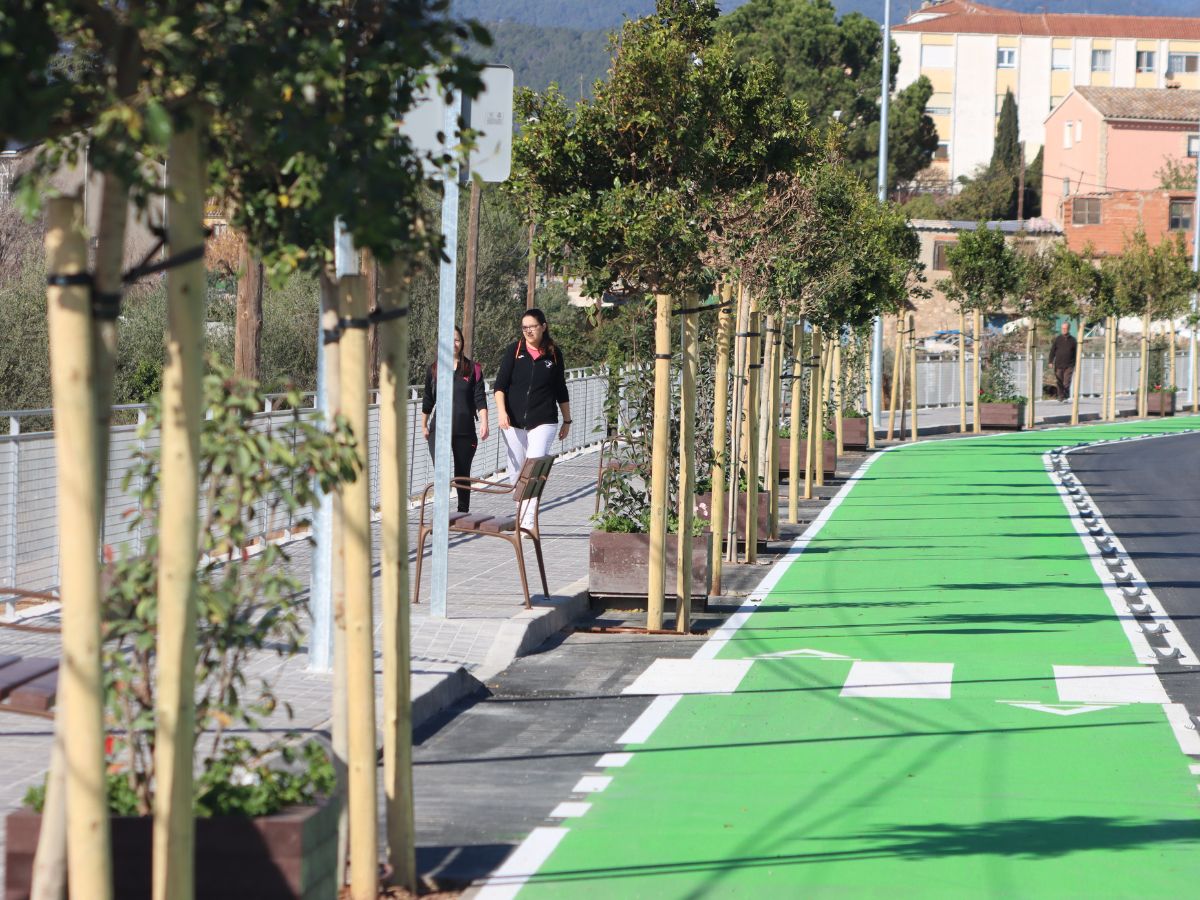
x: 29, y: 558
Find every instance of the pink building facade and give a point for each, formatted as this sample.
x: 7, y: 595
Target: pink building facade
x: 1117, y: 140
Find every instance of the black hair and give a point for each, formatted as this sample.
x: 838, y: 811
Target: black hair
x: 547, y: 341
x: 464, y: 365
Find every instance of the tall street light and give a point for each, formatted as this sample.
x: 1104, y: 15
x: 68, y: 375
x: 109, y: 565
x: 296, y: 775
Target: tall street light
x: 877, y: 342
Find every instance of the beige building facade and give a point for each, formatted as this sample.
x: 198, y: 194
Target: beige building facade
x: 973, y: 54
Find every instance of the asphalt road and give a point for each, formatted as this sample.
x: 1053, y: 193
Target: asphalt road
x: 1149, y: 493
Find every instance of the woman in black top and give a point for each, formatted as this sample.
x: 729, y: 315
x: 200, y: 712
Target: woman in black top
x: 469, y: 403
x: 531, y: 390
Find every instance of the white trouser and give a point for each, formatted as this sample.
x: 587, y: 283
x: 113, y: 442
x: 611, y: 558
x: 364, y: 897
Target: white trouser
x: 522, y: 444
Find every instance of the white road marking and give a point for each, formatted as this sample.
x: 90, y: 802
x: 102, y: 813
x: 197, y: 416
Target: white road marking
x: 807, y: 654
x: 1181, y: 724
x: 1059, y: 709
x: 920, y: 681
x: 521, y: 864
x: 1108, y: 684
x: 571, y: 809
x: 613, y: 760
x: 1195, y: 770
x: 591, y: 784
x: 643, y: 726
x: 690, y: 676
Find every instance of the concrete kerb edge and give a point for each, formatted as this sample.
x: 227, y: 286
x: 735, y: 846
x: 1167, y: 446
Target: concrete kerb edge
x: 519, y: 636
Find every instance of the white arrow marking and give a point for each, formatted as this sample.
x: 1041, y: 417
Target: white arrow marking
x: 811, y: 654
x: 1059, y: 709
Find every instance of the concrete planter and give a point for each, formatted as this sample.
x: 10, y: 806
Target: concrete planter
x: 704, y: 511
x: 854, y: 432
x: 1002, y: 415
x: 292, y: 854
x: 1160, y: 403
x: 829, y: 448
x: 619, y: 564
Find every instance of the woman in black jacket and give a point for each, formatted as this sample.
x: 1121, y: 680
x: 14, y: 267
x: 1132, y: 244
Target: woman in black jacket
x: 531, y: 390
x: 470, y: 403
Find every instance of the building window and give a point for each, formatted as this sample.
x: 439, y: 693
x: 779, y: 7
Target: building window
x: 939, y: 105
x: 1054, y: 101
x: 1085, y: 211
x: 937, y: 56
x: 942, y: 151
x: 1006, y: 58
x: 1067, y: 133
x: 1145, y: 60
x: 940, y: 262
x: 1181, y: 215
x: 1101, y: 60
x: 1066, y: 187
x: 1193, y: 150
x: 1183, y: 63
x: 1060, y: 58
x: 1078, y: 130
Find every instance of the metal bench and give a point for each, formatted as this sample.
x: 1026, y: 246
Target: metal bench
x: 527, y: 490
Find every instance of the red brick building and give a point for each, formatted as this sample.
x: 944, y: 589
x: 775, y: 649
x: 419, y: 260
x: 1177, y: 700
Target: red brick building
x: 1106, y: 220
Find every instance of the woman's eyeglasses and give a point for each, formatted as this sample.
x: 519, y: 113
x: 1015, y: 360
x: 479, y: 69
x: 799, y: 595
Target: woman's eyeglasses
x: 530, y: 327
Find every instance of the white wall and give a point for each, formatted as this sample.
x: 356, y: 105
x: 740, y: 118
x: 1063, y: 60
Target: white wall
x: 1033, y: 92
x: 974, y: 103
x: 1124, y: 62
x: 1082, y: 72
x: 909, y: 45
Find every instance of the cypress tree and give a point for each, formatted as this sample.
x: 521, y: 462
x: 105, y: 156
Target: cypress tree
x: 1006, y: 152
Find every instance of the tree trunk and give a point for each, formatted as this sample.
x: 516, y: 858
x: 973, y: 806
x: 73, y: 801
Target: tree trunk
x: 659, y: 463
x: 356, y: 559
x: 767, y: 361
x: 247, y: 336
x: 839, y: 448
x: 1029, y: 370
x: 897, y: 363
x: 178, y: 526
x: 823, y: 408
x: 1171, y: 355
x: 978, y: 372
x: 76, y: 446
x: 393, y: 497
x: 794, y: 423
x: 687, y: 469
x: 912, y: 365
x: 812, y: 447
x: 531, y: 273
x: 900, y: 384
x: 370, y: 270
x: 753, y: 427
x: 471, y: 270
x: 737, y: 438
x: 720, y: 436
x: 1143, y: 400
x: 869, y: 389
x: 776, y: 385
x: 962, y: 371
x: 1037, y: 385
x: 1077, y: 375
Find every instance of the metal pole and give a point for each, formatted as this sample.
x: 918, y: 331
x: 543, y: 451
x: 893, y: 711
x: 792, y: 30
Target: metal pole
x: 447, y: 282
x: 884, y: 92
x: 1195, y: 294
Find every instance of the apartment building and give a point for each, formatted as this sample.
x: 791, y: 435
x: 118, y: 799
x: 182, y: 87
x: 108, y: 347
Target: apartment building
x: 973, y: 54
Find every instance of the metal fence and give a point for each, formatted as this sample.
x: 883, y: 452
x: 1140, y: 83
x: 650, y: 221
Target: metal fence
x: 29, y: 553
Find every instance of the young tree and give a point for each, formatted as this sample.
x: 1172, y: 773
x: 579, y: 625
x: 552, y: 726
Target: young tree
x: 983, y: 273
x: 625, y: 188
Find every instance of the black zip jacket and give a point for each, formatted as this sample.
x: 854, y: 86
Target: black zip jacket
x: 469, y: 398
x: 532, y: 388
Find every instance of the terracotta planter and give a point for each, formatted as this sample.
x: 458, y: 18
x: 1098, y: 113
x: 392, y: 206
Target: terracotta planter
x: 1002, y: 415
x: 292, y: 854
x: 619, y: 564
x: 1160, y: 403
x: 829, y: 448
x: 704, y: 511
x: 854, y: 433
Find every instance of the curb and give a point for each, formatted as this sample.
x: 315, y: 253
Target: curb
x: 519, y: 636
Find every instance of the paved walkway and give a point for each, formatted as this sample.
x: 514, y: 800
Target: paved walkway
x: 938, y: 696
x: 482, y: 632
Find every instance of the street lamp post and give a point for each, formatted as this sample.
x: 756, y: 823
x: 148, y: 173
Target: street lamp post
x: 885, y: 84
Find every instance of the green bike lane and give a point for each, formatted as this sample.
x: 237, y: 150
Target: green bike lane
x: 873, y: 744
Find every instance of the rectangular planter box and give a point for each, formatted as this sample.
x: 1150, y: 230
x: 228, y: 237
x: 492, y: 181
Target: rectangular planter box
x: 1002, y: 415
x: 1160, y: 403
x: 292, y: 854
x: 704, y: 511
x: 854, y: 433
x: 829, y: 448
x: 619, y: 564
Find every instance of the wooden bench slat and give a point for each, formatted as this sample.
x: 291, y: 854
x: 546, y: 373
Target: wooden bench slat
x: 471, y: 522
x: 37, y: 695
x: 496, y: 526
x: 18, y: 673
x: 8, y: 660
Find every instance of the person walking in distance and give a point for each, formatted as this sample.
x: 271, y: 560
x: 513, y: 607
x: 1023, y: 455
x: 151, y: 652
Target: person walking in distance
x: 1062, y: 358
x: 469, y: 403
x: 531, y: 390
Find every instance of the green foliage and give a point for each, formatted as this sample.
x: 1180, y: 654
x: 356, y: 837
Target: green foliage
x: 983, y: 269
x: 1006, y: 150
x: 541, y: 56
x: 835, y: 66
x: 245, y: 600
x: 1176, y: 174
x: 996, y: 383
